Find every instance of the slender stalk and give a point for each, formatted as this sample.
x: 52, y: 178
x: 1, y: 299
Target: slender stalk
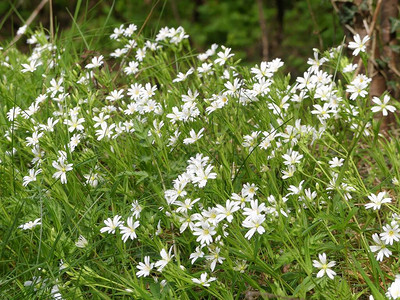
x: 51, y: 21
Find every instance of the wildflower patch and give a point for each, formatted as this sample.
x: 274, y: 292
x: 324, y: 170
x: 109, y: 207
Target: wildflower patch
x: 153, y: 172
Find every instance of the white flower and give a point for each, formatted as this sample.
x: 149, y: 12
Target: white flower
x: 162, y: 34
x: 377, y: 200
x: 105, y: 131
x: 81, y: 242
x: 275, y: 64
x: 34, y: 140
x: 289, y: 172
x: 97, y: 61
x: 223, y: 56
x: 111, y: 224
x: 204, y: 232
x: 75, y: 123
x: 13, y: 113
x: 177, y: 35
x: 75, y: 140
x: 391, y: 233
x: 255, y: 210
x: 119, y: 52
x: 394, y: 289
x: 336, y: 162
x: 55, y: 292
x: 381, y: 247
x: 22, y: 29
x: 178, y: 191
x: 100, y: 120
x: 233, y: 88
x: 31, y: 177
x: 205, y: 69
x: 227, y: 210
x: 215, y: 258
x: 349, y: 68
x: 322, y: 111
x: 166, y: 258
x: 63, y: 167
x: 197, y: 254
x: 136, y: 209
x: 193, y: 137
x: 240, y: 266
x: 147, y: 91
x: 357, y: 89
x: 324, y: 266
x: 208, y: 53
x: 50, y: 125
x: 132, y: 68
x: 316, y: 62
x: 201, y: 177
x: 30, y: 224
x: 255, y: 224
x: 117, y: 32
x: 249, y: 190
x: 38, y: 155
x: 144, y: 268
x: 130, y: 30
x: 358, y: 45
x: 203, y: 279
x: 31, y: 67
x: 240, y: 199
x: 383, y: 105
x: 92, y: 179
x: 115, y: 95
x: 129, y: 231
x: 210, y: 216
x: 262, y: 70
x: 186, y: 205
x: 182, y: 76
x: 292, y: 157
x: 140, y: 54
x: 30, y: 111
x: 187, y: 221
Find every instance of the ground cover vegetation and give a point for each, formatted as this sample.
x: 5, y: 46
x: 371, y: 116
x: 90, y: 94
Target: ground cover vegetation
x: 156, y: 172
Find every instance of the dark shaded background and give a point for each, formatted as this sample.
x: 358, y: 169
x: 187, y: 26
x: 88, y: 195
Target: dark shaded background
x: 293, y: 27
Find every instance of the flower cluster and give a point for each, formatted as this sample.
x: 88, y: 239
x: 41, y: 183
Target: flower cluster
x: 231, y: 168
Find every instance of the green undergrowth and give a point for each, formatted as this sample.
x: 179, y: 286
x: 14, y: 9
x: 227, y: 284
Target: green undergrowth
x: 156, y: 172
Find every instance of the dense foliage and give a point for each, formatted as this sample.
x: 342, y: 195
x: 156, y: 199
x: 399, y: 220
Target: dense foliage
x: 291, y: 29
x: 154, y: 172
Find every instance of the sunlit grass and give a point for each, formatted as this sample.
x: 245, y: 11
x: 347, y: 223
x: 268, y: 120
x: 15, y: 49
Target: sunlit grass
x: 186, y: 176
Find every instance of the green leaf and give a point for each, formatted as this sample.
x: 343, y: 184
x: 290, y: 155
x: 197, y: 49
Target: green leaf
x: 395, y: 48
x: 394, y: 24
x: 374, y: 290
x: 346, y: 14
x: 141, y: 175
x: 155, y: 290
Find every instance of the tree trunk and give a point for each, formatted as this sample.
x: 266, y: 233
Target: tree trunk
x: 280, y: 4
x: 389, y: 10
x: 264, y: 32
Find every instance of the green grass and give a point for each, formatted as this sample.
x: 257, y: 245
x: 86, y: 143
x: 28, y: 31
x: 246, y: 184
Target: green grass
x: 245, y: 139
